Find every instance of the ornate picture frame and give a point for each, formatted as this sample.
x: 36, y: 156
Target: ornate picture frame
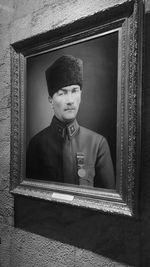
x: 126, y: 22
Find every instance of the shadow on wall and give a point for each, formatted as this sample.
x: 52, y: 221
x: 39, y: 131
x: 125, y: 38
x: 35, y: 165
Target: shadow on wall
x: 107, y: 235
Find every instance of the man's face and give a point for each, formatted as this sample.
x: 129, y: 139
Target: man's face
x: 66, y: 102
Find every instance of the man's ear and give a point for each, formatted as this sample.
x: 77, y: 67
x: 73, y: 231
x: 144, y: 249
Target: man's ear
x: 50, y: 99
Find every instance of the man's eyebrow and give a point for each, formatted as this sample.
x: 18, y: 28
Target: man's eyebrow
x: 61, y: 90
x: 66, y: 89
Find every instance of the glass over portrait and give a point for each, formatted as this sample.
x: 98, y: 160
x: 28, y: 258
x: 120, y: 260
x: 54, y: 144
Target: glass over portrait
x: 71, y: 114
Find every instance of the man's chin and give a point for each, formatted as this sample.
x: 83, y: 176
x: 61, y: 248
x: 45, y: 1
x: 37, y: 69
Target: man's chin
x: 68, y: 118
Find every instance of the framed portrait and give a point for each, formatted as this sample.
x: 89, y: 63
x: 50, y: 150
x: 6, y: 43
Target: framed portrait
x: 109, y: 44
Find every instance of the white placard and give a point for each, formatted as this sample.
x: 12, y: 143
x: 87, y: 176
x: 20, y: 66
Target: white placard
x: 63, y: 196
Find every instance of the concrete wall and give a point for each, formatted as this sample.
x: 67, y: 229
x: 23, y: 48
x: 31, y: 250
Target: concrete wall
x: 67, y: 236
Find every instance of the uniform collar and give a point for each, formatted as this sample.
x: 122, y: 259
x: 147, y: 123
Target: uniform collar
x: 61, y: 129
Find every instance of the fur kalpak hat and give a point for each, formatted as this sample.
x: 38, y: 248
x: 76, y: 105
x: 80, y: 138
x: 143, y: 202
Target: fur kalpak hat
x: 66, y: 70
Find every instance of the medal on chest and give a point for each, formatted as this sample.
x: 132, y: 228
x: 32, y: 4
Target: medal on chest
x: 81, y: 164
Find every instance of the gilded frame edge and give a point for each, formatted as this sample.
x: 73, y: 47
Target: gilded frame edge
x: 123, y: 202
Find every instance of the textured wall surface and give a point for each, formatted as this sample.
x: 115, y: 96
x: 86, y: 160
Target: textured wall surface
x: 67, y: 236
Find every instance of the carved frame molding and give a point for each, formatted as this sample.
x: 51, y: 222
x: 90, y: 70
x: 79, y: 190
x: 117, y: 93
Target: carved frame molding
x: 127, y: 19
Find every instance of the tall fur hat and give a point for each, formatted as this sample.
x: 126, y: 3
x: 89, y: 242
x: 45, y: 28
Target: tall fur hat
x: 66, y: 70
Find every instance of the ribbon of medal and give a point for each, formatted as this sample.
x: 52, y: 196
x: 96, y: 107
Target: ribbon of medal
x: 81, y: 164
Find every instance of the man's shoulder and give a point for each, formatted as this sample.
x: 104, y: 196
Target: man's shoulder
x: 90, y: 134
x: 94, y: 139
x: 40, y: 135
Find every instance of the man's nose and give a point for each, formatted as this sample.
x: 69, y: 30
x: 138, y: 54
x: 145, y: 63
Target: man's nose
x: 69, y: 98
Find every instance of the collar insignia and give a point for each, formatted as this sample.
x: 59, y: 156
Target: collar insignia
x: 64, y: 130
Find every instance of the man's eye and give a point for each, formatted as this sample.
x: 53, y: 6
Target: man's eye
x: 75, y: 90
x: 60, y: 93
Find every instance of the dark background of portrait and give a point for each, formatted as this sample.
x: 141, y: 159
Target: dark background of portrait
x: 98, y: 109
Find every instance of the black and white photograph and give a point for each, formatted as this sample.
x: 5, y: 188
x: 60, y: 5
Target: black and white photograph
x: 72, y: 113
x: 74, y: 133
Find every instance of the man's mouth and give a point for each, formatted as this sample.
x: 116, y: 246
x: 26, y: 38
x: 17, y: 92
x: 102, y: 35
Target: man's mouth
x: 69, y: 109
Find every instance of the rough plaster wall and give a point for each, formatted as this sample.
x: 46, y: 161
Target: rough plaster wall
x: 91, y: 239
x: 6, y: 200
x: 34, y: 17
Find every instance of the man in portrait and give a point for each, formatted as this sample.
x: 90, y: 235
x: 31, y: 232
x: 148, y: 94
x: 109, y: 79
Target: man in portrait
x: 66, y: 152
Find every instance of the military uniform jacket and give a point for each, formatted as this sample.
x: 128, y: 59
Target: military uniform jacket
x: 71, y: 154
